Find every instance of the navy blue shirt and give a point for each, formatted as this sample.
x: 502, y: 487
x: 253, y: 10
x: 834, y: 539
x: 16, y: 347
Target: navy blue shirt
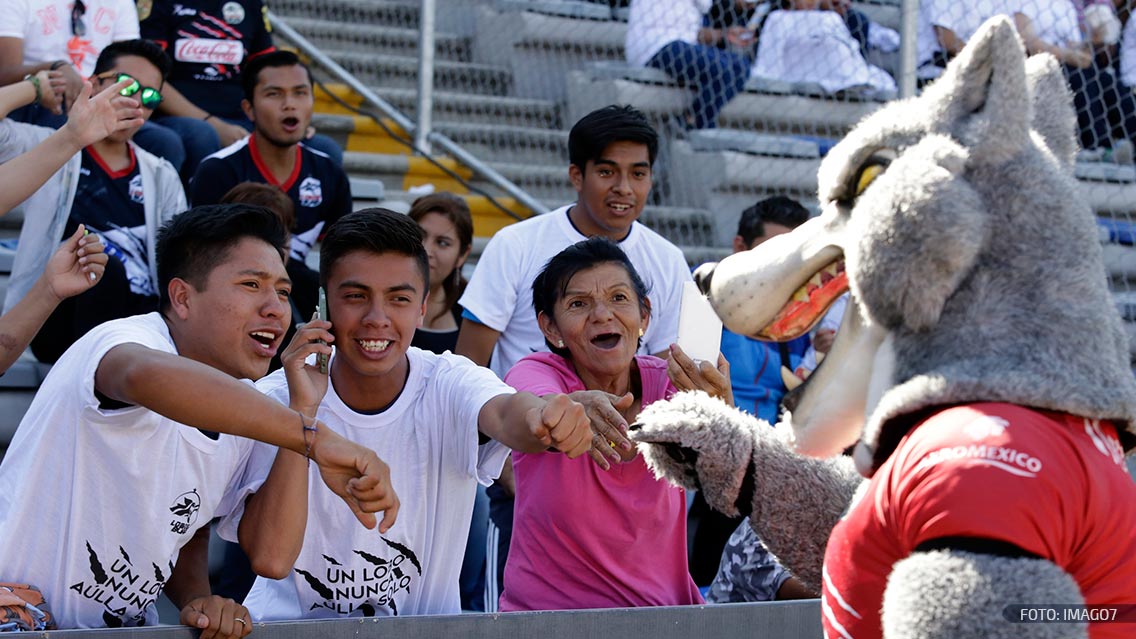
x: 318, y: 187
x: 207, y: 41
x: 111, y: 203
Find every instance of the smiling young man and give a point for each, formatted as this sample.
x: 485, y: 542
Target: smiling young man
x: 611, y: 151
x: 118, y: 466
x: 444, y: 423
x: 112, y: 187
x: 279, y: 101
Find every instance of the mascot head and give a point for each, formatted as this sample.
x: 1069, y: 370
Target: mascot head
x: 974, y: 264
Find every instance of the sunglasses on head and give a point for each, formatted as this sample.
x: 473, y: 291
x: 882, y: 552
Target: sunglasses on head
x: 150, y: 96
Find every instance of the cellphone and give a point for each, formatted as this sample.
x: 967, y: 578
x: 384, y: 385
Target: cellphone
x: 321, y: 313
x: 699, y: 327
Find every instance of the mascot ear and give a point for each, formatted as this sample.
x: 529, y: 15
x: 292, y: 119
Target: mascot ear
x: 1053, y: 115
x: 982, y: 98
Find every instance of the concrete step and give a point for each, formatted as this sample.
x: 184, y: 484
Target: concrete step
x: 504, y: 143
x: 478, y: 109
x: 371, y: 12
x: 377, y: 39
x: 401, y: 72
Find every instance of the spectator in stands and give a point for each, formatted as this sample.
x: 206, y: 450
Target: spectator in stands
x: 63, y: 37
x: 278, y: 100
x: 443, y: 421
x: 946, y: 25
x: 208, y: 42
x: 611, y: 152
x: 132, y: 444
x: 808, y: 41
x: 592, y: 308
x: 113, y: 188
x: 448, y: 228
x: 755, y: 376
x: 668, y: 35
x: 749, y: 572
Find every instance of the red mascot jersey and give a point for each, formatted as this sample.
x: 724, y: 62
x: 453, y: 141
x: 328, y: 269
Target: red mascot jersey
x: 1050, y: 483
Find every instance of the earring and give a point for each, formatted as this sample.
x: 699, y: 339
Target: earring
x: 559, y: 343
x: 640, y: 332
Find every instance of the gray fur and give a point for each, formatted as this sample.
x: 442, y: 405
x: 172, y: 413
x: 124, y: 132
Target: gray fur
x: 950, y: 594
x: 794, y: 529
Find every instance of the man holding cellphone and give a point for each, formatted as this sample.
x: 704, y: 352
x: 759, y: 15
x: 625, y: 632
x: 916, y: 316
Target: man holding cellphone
x: 446, y: 423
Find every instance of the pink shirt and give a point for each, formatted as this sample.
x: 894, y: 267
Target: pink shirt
x: 584, y: 537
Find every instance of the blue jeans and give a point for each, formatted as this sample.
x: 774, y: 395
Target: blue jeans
x: 716, y: 76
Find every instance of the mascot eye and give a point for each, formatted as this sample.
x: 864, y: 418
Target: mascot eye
x: 873, y: 167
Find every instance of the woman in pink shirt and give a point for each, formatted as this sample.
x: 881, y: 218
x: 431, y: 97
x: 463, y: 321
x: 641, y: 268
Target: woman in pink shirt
x: 588, y: 533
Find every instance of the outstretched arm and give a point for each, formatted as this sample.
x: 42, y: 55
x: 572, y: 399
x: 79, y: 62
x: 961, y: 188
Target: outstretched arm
x: 525, y: 422
x: 76, y: 266
x: 141, y: 376
x: 90, y: 120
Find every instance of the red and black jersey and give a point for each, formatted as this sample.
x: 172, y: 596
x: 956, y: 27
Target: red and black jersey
x: 208, y: 40
x: 318, y: 187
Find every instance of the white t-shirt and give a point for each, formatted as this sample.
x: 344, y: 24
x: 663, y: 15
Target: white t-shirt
x: 97, y: 503
x: 652, y: 24
x: 500, y: 293
x: 787, y: 37
x: 963, y: 17
x: 429, y: 438
x: 1054, y: 21
x: 45, y: 28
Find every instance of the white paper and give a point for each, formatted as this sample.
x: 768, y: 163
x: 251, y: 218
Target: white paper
x: 699, y: 327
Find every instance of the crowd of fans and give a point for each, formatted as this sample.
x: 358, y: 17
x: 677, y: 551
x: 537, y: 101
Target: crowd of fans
x: 523, y: 379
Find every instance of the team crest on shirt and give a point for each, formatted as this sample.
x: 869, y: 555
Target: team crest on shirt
x: 311, y: 192
x: 184, y: 510
x: 233, y: 13
x: 135, y: 189
x: 144, y: 8
x: 365, y: 588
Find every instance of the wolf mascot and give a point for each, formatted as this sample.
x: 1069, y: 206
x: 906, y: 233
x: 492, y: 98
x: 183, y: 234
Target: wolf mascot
x: 980, y: 377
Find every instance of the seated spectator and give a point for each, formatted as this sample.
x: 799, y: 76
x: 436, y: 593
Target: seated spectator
x: 749, y: 572
x: 1051, y: 26
x: 448, y: 228
x: 946, y: 25
x: 208, y: 42
x: 668, y: 35
x: 446, y: 421
x: 805, y: 43
x: 584, y: 547
x: 118, y: 465
x: 278, y: 100
x: 114, y: 189
x: 63, y: 37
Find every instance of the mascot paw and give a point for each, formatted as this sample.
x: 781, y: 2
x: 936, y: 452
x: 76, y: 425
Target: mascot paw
x: 699, y: 443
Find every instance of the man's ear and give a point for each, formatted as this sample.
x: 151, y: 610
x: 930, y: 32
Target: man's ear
x: 181, y: 293
x: 548, y: 327
x: 739, y: 244
x: 576, y: 176
x: 422, y: 310
x: 246, y: 106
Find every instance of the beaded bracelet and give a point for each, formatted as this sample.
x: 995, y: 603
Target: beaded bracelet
x: 34, y: 79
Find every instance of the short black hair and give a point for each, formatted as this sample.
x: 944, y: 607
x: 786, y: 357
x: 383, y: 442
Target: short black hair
x: 600, y: 128
x: 550, y: 285
x: 251, y: 68
x: 193, y: 243
x: 776, y: 210
x: 147, y: 49
x: 375, y: 230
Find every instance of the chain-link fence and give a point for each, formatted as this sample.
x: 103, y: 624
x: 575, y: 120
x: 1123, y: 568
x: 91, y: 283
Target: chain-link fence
x: 748, y: 96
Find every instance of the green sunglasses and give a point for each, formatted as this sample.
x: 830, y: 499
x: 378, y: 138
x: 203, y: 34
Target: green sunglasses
x: 150, y: 97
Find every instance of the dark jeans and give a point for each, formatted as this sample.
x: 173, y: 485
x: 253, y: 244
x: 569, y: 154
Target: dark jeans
x: 1101, y: 103
x: 110, y: 299
x: 715, y: 75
